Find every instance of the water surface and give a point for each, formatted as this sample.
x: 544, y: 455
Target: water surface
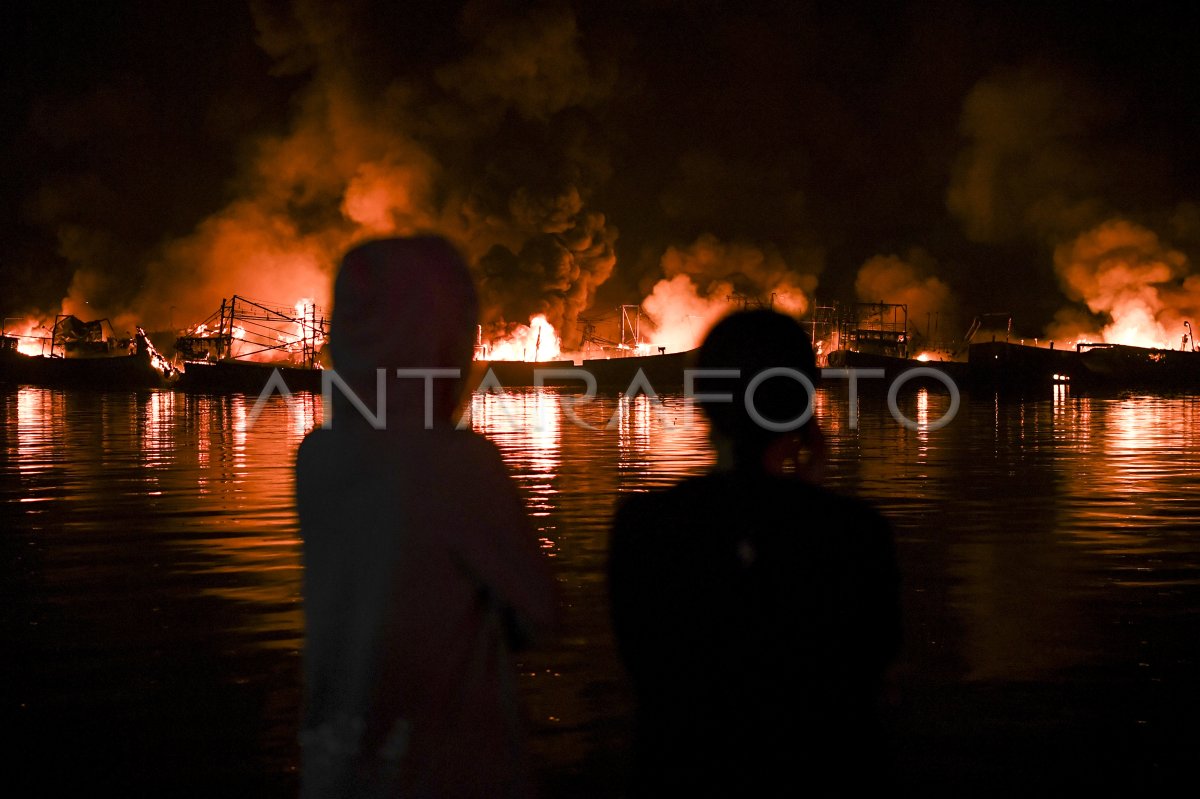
x: 150, y: 581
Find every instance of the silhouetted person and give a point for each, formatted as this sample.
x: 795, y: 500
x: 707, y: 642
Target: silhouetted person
x: 756, y: 612
x: 421, y: 570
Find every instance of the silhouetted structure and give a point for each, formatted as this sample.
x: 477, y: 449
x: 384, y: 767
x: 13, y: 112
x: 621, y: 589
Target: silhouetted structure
x: 756, y: 611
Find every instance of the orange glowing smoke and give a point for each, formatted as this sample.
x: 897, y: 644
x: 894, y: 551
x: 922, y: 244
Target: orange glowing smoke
x: 1138, y: 286
x: 682, y: 315
x: 711, y: 278
x: 537, y: 341
x: 889, y: 278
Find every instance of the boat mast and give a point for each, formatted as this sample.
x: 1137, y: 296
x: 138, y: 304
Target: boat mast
x: 222, y: 351
x: 632, y: 326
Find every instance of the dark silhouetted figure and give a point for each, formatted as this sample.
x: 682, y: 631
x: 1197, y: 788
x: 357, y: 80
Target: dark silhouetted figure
x: 421, y: 570
x: 756, y: 612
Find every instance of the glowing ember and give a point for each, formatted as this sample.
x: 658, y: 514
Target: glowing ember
x: 537, y: 341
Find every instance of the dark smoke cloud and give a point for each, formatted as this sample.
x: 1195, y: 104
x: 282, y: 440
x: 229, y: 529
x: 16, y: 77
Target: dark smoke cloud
x: 554, y: 275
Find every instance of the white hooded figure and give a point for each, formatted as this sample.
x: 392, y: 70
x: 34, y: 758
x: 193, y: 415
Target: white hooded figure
x: 421, y: 569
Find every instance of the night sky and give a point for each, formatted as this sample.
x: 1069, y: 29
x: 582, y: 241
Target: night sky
x: 964, y: 157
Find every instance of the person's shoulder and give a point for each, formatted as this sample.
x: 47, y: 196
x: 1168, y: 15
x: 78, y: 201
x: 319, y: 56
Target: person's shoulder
x: 335, y: 449
x: 462, y: 451
x: 648, y: 506
x: 855, y: 525
x: 315, y: 450
x: 664, y: 494
x: 847, y: 504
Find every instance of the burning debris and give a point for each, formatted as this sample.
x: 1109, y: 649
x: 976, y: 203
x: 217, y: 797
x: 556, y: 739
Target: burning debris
x: 75, y: 337
x: 243, y: 329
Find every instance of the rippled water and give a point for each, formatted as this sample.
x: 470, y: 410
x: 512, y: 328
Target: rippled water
x: 1050, y: 550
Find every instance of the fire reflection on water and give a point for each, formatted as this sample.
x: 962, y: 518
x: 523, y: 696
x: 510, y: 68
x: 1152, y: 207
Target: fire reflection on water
x: 923, y: 413
x: 633, y: 425
x: 661, y: 440
x: 181, y: 478
x: 40, y: 426
x: 526, y: 426
x: 532, y: 418
x: 1134, y: 490
x: 156, y: 432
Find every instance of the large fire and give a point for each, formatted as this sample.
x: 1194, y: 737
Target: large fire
x: 537, y: 341
x: 307, y: 332
x: 1135, y: 283
x: 1137, y: 291
x: 33, y: 336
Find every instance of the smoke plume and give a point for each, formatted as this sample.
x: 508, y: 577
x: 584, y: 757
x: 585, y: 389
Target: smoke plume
x: 1138, y: 288
x: 492, y: 148
x: 1031, y: 165
x: 905, y: 281
x: 709, y: 279
x: 1049, y: 160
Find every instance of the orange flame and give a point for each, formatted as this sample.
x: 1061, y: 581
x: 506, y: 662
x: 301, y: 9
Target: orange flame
x: 537, y: 341
x: 1125, y: 273
x: 33, y: 336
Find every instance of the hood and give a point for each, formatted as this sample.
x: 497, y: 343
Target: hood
x: 402, y: 303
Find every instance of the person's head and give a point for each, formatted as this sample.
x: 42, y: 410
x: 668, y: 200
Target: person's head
x: 753, y: 342
x: 403, y: 303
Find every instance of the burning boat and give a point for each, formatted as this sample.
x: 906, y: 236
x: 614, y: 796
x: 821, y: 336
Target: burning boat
x: 530, y: 355
x: 78, y: 354
x: 242, y: 344
x: 877, y: 336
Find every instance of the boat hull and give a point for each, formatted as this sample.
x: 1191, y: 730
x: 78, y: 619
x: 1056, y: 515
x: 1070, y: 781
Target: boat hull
x: 1123, y: 366
x: 1007, y: 367
x: 661, y: 373
x: 1002, y: 366
x: 244, y: 377
x: 893, y: 367
x: 101, y: 373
